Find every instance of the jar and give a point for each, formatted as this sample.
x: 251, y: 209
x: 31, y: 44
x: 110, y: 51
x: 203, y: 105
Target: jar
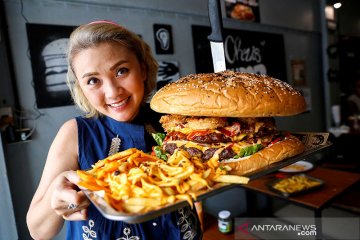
x: 225, y: 223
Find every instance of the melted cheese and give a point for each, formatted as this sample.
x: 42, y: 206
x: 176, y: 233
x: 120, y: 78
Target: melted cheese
x: 189, y: 130
x: 258, y: 125
x: 202, y: 147
x: 182, y: 130
x: 239, y: 137
x: 236, y: 147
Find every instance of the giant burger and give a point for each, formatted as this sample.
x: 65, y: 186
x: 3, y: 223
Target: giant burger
x: 226, y: 119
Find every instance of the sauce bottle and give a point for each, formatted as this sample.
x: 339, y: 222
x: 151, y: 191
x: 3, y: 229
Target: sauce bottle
x: 225, y: 223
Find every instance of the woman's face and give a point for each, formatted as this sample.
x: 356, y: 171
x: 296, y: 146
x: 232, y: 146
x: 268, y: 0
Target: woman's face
x: 112, y: 80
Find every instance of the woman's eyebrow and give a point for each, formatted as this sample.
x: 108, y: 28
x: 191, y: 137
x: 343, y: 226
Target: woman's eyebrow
x: 112, y: 68
x: 118, y: 64
x: 90, y: 74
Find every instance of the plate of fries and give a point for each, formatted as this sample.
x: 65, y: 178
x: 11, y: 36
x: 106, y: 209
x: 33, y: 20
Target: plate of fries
x: 295, y: 184
x: 134, y: 186
x: 300, y: 166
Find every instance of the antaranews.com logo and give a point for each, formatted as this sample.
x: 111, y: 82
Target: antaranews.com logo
x: 296, y: 228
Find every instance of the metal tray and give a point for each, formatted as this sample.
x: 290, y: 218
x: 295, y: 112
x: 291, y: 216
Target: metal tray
x: 107, y: 211
x: 287, y: 194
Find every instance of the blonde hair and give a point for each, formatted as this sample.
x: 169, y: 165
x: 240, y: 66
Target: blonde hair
x: 92, y: 34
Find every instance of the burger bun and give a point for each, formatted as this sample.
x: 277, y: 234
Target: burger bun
x: 228, y: 94
x: 276, y: 152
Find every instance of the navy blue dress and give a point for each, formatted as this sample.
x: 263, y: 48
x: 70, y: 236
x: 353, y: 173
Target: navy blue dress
x: 95, y: 136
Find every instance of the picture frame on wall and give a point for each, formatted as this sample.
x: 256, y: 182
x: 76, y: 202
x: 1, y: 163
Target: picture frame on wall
x: 243, y: 10
x: 163, y: 39
x: 47, y: 46
x: 298, y: 72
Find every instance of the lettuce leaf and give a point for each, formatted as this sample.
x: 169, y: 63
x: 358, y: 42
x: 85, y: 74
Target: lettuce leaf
x: 249, y: 150
x: 159, y: 153
x: 159, y: 138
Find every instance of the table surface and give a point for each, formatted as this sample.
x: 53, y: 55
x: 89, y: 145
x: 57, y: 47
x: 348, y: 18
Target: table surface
x: 336, y: 182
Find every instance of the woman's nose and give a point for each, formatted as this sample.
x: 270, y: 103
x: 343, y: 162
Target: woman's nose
x: 112, y: 88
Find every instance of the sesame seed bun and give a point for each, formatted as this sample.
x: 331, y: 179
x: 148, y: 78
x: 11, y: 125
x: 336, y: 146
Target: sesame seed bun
x: 228, y: 94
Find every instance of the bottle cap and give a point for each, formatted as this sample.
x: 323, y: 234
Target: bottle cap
x: 224, y: 214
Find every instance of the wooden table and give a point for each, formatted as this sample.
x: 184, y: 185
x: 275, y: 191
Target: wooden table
x: 336, y: 182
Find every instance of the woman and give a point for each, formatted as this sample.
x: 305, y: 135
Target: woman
x: 111, y: 74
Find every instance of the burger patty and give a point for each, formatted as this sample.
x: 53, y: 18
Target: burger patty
x: 226, y: 153
x: 226, y: 150
x: 203, y: 137
x: 207, y: 137
x: 211, y: 137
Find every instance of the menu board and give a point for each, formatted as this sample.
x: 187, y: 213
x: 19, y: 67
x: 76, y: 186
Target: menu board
x: 245, y: 51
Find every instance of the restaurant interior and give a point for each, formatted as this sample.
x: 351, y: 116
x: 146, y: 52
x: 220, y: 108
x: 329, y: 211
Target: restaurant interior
x: 311, y: 44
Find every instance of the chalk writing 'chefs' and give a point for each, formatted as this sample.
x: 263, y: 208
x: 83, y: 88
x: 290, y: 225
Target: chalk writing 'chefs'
x: 234, y: 52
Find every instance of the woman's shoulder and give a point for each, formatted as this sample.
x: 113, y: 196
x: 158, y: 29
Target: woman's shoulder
x: 87, y: 122
x: 67, y: 132
x: 69, y: 126
x: 65, y: 141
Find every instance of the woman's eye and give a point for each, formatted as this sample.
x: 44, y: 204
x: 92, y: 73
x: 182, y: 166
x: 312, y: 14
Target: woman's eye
x: 122, y: 71
x: 92, y: 81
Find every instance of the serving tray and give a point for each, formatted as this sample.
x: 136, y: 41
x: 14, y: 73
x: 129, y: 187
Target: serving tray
x: 107, y: 211
x: 271, y: 184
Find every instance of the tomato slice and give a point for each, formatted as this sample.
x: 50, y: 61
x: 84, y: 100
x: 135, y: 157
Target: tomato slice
x: 175, y: 136
x: 225, y: 131
x: 232, y: 130
x: 198, y: 133
x: 276, y: 140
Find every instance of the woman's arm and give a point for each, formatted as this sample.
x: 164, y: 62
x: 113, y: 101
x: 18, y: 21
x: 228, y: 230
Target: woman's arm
x: 56, y: 190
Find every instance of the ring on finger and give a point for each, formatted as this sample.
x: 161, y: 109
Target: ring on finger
x: 72, y: 206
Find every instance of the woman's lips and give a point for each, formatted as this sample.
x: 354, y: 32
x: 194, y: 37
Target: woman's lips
x: 119, y: 104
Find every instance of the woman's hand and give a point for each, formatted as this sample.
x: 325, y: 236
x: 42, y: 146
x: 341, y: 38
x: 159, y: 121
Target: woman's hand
x: 65, y: 194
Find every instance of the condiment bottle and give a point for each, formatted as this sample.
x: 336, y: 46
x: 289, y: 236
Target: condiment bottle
x: 225, y: 223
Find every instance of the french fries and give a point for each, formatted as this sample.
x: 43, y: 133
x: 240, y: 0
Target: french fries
x: 295, y: 183
x: 231, y: 179
x: 135, y: 182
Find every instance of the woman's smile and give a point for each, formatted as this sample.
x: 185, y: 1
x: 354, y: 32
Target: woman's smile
x: 120, y: 103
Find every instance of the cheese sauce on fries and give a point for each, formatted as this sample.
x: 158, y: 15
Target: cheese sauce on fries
x: 135, y: 182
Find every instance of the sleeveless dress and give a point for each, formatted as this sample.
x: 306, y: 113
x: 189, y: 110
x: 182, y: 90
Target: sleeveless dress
x: 95, y: 136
